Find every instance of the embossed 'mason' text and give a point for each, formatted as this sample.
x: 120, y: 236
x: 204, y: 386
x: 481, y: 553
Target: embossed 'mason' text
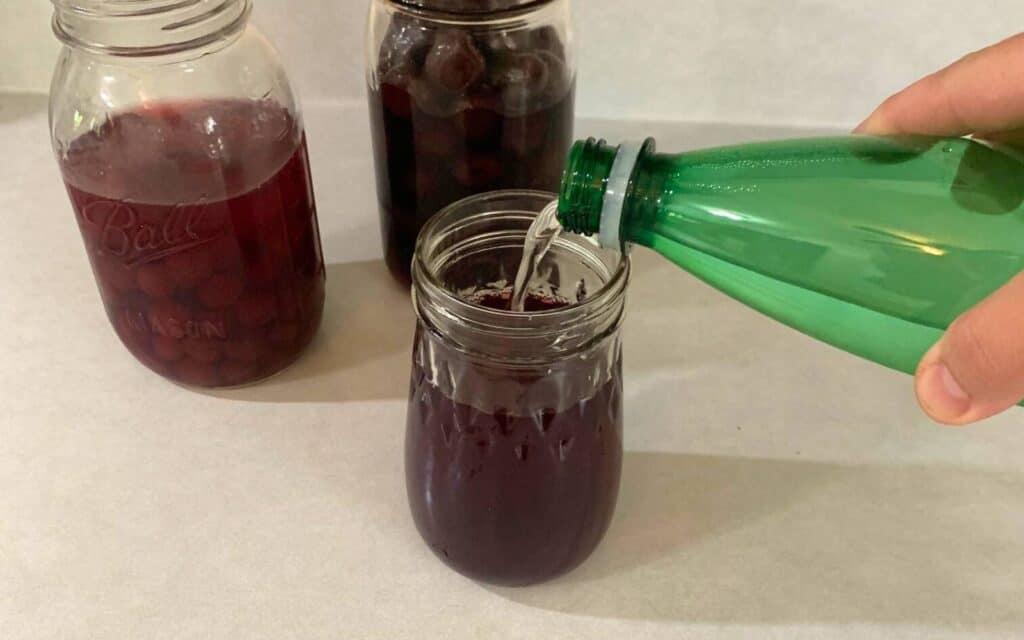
x: 175, y: 328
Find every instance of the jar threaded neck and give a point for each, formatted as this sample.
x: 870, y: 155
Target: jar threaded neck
x: 466, y: 246
x: 147, y: 27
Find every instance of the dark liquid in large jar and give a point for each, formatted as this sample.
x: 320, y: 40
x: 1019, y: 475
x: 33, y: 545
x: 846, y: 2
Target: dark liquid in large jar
x: 200, y: 224
x: 507, y: 498
x: 458, y: 114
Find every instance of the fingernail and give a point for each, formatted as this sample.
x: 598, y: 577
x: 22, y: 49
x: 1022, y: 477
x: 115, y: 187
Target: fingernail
x: 941, y: 395
x: 867, y: 124
x: 877, y: 124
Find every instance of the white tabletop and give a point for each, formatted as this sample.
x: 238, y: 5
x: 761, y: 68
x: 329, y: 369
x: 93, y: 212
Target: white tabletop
x: 773, y: 487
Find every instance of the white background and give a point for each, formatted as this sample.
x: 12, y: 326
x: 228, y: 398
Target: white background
x: 797, y: 62
x: 773, y: 488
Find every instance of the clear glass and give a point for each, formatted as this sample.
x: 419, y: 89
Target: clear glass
x: 183, y: 152
x: 514, y: 435
x: 465, y: 97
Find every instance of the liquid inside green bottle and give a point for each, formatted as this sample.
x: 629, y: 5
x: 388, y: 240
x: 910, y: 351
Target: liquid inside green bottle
x: 874, y: 245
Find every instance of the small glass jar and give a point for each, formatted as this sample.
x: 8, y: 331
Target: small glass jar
x: 514, y: 436
x: 466, y: 96
x: 183, y: 151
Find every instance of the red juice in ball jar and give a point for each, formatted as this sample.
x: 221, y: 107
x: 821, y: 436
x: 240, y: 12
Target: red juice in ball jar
x: 466, y: 96
x: 513, y: 448
x: 204, y: 245
x: 182, y: 148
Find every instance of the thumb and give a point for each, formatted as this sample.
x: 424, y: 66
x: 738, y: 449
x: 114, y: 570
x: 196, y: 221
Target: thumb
x: 977, y: 369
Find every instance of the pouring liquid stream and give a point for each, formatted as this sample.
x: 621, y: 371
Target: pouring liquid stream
x: 539, y: 238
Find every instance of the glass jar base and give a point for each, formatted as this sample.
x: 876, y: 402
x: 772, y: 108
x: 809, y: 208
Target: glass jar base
x: 283, y: 368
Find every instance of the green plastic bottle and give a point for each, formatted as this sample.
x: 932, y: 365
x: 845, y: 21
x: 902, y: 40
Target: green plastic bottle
x: 873, y: 245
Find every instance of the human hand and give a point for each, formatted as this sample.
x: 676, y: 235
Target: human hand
x: 977, y: 369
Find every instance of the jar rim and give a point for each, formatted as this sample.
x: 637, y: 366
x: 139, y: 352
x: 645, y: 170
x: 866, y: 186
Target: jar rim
x: 158, y: 27
x: 566, y: 328
x: 451, y: 15
x: 131, y: 9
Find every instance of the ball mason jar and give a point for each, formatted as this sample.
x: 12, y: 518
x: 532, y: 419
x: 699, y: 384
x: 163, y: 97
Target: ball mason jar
x: 514, y: 435
x: 182, y: 149
x: 466, y: 96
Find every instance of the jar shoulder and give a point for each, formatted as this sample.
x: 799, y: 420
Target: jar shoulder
x: 89, y: 89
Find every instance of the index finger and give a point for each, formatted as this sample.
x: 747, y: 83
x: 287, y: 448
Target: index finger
x: 982, y: 93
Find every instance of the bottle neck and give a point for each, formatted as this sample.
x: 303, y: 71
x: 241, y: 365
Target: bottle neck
x: 603, y: 188
x: 147, y: 27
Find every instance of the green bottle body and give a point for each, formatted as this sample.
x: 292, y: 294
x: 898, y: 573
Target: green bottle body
x: 874, y: 245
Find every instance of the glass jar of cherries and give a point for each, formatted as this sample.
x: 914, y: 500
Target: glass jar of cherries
x: 513, y: 447
x: 466, y: 96
x: 183, y: 151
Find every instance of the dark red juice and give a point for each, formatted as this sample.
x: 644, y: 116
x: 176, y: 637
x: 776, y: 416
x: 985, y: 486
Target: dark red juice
x: 455, y: 115
x: 512, y: 497
x: 502, y: 301
x: 200, y: 224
